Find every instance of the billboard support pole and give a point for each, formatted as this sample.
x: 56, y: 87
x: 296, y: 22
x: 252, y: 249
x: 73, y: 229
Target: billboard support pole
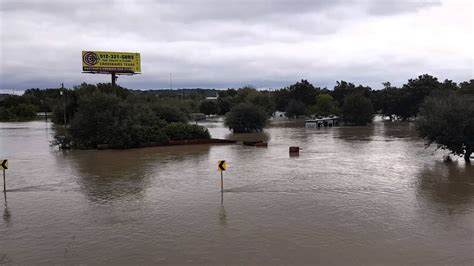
x: 114, y: 78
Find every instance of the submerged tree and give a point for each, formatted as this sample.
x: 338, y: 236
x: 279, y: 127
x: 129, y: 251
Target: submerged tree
x: 246, y: 117
x: 357, y: 109
x: 447, y: 119
x: 295, y: 108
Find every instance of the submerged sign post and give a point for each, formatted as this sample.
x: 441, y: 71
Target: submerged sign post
x: 221, y: 167
x: 113, y: 63
x: 4, y: 166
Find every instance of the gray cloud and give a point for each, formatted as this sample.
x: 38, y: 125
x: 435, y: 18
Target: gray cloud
x: 388, y: 7
x: 212, y: 43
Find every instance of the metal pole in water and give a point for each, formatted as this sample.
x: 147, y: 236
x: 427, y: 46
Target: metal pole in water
x: 4, y: 183
x: 222, y: 181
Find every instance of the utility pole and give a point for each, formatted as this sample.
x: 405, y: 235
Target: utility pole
x: 64, y: 102
x: 171, y: 83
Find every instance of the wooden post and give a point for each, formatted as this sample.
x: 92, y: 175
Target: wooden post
x: 4, y: 183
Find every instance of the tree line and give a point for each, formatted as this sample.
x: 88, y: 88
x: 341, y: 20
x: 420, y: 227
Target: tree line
x: 444, y: 111
x: 356, y: 104
x: 99, y: 114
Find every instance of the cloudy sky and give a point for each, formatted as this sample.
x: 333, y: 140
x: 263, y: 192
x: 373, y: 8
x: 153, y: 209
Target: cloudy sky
x: 220, y: 44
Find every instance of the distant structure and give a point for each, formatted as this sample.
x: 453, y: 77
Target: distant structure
x: 213, y: 97
x: 323, y: 122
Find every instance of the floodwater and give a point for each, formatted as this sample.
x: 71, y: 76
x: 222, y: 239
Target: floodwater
x: 355, y: 195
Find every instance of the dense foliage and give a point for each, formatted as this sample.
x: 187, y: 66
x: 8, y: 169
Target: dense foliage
x: 184, y: 131
x: 139, y: 110
x: 20, y: 112
x: 447, y: 120
x: 357, y: 109
x: 325, y: 106
x: 209, y: 107
x: 295, y: 108
x: 106, y: 119
x: 126, y: 120
x: 395, y: 103
x: 18, y: 108
x: 246, y: 117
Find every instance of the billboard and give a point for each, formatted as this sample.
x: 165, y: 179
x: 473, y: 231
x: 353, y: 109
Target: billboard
x: 108, y: 62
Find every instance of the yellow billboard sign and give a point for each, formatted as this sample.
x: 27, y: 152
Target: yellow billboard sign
x: 118, y: 62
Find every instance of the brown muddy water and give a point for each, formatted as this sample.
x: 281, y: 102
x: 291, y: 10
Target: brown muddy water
x: 355, y: 195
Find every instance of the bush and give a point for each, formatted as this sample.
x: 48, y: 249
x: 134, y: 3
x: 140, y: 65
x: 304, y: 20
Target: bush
x: 184, y: 131
x: 357, y: 109
x: 246, y: 117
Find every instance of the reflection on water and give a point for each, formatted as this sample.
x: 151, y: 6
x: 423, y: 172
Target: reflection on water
x: 259, y: 136
x: 399, y: 130
x: 222, y: 216
x: 355, y: 195
x: 6, y: 215
x: 448, y: 183
x: 355, y: 133
x: 111, y: 174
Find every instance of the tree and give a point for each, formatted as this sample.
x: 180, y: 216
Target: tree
x: 227, y: 93
x: 281, y: 98
x: 357, y: 109
x: 390, y: 102
x: 303, y: 91
x: 246, y: 117
x: 325, y: 105
x: 134, y: 121
x: 245, y: 91
x: 342, y: 90
x: 209, y: 107
x: 467, y: 87
x: 224, y: 105
x: 447, y: 119
x: 169, y: 113
x: 295, y: 108
x: 414, y: 93
x: 264, y: 100
x: 21, y: 112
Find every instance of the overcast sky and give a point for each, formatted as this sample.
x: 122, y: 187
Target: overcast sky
x: 220, y: 44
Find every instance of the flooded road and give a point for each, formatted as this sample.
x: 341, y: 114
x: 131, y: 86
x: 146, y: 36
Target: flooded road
x: 355, y: 195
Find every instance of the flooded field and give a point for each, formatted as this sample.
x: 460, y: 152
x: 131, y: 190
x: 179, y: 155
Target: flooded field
x: 355, y: 195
